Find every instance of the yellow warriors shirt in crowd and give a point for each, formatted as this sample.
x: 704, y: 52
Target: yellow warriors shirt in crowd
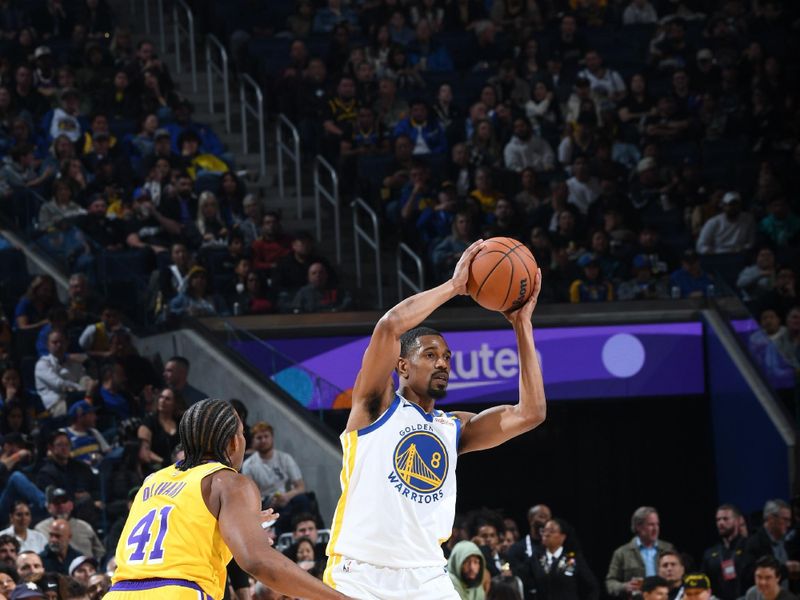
x: 171, y: 540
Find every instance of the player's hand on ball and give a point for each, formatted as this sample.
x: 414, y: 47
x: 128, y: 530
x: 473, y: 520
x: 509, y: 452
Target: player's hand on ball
x: 461, y: 272
x: 524, y: 312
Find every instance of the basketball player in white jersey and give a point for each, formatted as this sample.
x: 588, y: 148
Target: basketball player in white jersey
x: 398, y: 478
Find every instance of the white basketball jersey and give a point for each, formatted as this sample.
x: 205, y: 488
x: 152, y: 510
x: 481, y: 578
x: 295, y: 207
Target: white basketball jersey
x: 398, y: 489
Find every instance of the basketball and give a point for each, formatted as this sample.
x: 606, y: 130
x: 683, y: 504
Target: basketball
x: 501, y: 275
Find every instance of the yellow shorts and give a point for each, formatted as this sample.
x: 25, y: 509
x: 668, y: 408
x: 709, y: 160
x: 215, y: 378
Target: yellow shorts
x: 156, y: 590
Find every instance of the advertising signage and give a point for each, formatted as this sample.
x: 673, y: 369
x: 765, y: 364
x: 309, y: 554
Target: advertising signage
x: 578, y: 362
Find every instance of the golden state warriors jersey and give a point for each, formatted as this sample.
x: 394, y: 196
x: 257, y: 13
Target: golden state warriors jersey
x: 398, y: 489
x: 171, y: 535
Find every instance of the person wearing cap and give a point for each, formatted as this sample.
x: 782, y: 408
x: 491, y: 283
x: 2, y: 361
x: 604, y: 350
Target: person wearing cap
x: 66, y: 117
x: 697, y: 586
x: 209, y: 143
x: 691, y: 280
x: 20, y: 517
x: 591, y: 287
x: 82, y: 568
x: 731, y: 232
x: 643, y: 286
x: 26, y: 590
x: 98, y: 124
x: 88, y: 444
x: 61, y: 507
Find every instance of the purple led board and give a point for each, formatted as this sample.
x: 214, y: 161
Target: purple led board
x: 578, y: 362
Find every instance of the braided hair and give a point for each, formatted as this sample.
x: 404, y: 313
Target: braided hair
x: 206, y: 429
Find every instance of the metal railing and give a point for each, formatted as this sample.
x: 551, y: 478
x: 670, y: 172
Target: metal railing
x: 189, y: 31
x: 403, y: 279
x: 257, y: 111
x: 332, y: 197
x: 373, y: 241
x: 221, y: 70
x: 293, y: 153
x: 162, y: 37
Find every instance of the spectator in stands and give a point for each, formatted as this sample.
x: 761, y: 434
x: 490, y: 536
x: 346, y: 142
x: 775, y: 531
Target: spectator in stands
x: 249, y: 225
x: 19, y: 168
x: 639, y: 12
x: 159, y: 429
x: 666, y: 124
x: 9, y: 548
x: 82, y: 568
x: 417, y: 195
x: 331, y: 15
x: 504, y: 221
x: 176, y: 377
x: 639, y: 557
x: 25, y: 95
x: 592, y: 286
x: 646, y: 189
x: 425, y: 53
x: 277, y: 476
x: 671, y: 568
x: 365, y: 137
x: 58, y: 375
x: 291, y: 272
x: 427, y: 136
x: 781, y: 225
x: 182, y: 207
x: 770, y: 540
x: 557, y: 570
x: 319, y: 295
x: 29, y: 566
x: 87, y: 443
x: 113, y: 400
x: 173, y: 278
x: 32, y: 309
x: 59, y: 552
x: 522, y: 550
x: 525, y: 149
x: 604, y: 82
x: 210, y: 223
x: 29, y: 539
x: 254, y: 298
x: 484, y: 196
x: 341, y: 111
x: 108, y: 234
x: 65, y: 118
x: 466, y: 567
x: 209, y: 143
x: 95, y: 340
x: 655, y: 588
x: 509, y: 87
x: 83, y: 537
x: 691, y: 280
x: 725, y: 562
x: 483, y: 146
x: 61, y: 471
x: 148, y: 227
x: 272, y: 245
x: 643, y: 285
x: 730, y: 232
x: 583, y: 187
x: 446, y: 252
x: 389, y: 108
x: 758, y: 279
x: 196, y: 299
x: 768, y: 585
x: 435, y: 222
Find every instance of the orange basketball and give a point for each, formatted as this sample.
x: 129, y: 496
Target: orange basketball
x: 501, y: 275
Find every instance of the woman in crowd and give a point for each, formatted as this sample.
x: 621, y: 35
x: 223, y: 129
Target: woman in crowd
x: 159, y: 429
x: 32, y: 308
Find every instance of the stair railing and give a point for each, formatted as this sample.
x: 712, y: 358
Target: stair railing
x: 331, y: 196
x: 417, y: 284
x: 180, y: 8
x: 220, y: 69
x: 256, y: 110
x: 371, y: 239
x: 293, y: 154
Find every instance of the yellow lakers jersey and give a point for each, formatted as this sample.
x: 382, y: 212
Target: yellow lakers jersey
x: 170, y: 533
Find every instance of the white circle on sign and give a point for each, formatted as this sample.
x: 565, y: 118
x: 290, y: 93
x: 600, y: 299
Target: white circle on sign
x: 623, y: 355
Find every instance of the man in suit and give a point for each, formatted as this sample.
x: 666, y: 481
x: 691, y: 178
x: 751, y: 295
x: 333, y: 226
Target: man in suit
x: 772, y: 540
x: 521, y: 551
x: 555, y: 572
x: 637, y: 559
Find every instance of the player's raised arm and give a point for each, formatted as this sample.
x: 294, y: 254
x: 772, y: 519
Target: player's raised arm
x: 499, y: 424
x: 240, y: 526
x: 380, y: 358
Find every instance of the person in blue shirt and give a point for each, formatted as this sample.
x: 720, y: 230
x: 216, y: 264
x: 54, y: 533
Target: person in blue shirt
x: 427, y: 135
x: 427, y: 54
x: 209, y: 142
x: 692, y: 281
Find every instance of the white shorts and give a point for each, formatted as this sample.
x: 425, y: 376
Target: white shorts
x: 365, y: 581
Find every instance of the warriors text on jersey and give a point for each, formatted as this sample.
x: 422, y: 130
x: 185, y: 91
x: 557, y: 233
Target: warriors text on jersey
x: 398, y: 489
x: 171, y: 537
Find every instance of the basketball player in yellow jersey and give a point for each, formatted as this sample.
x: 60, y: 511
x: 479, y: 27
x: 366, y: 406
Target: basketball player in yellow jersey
x: 189, y: 519
x: 398, y: 478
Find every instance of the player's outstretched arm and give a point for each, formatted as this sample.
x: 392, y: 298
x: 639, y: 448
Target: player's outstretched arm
x: 239, y: 520
x: 380, y: 358
x: 499, y: 424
